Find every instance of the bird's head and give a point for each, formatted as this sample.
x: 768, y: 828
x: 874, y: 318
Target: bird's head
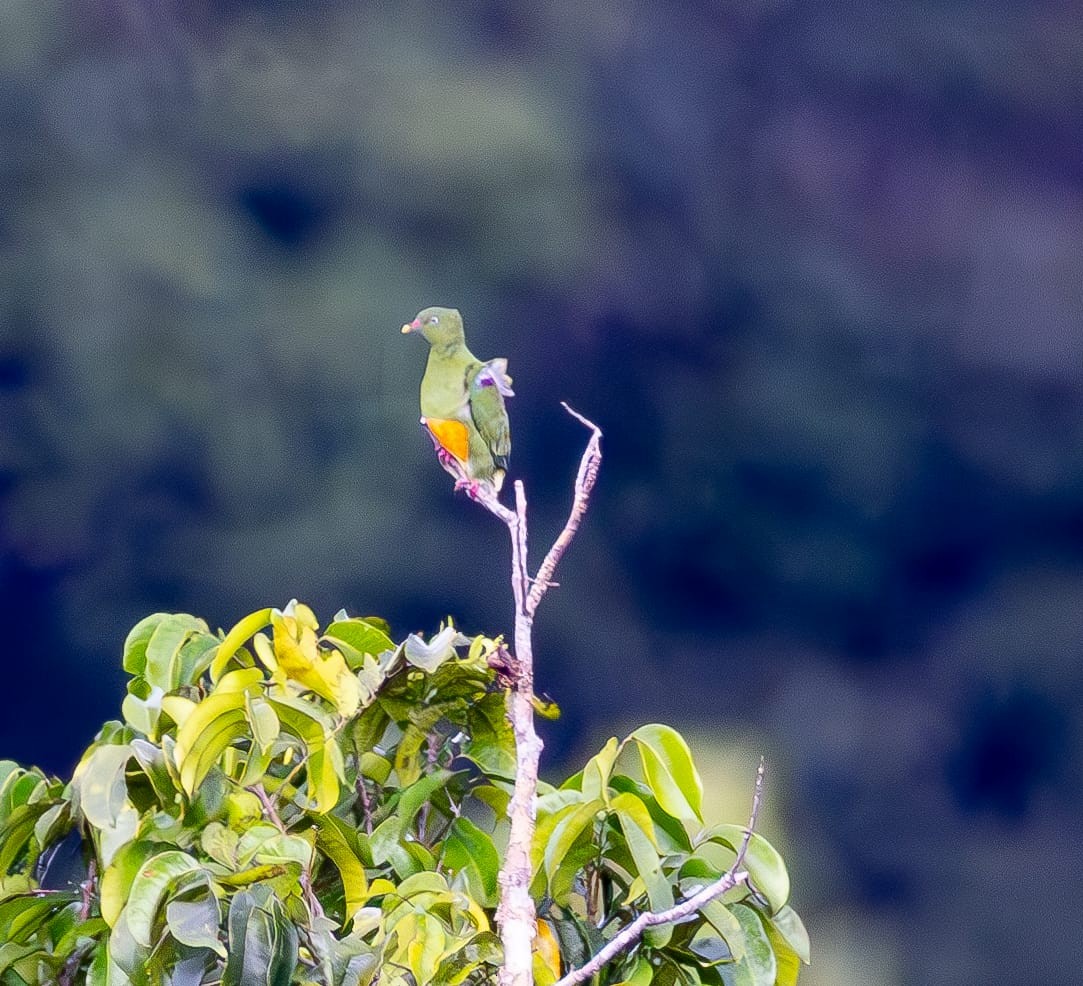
x: 439, y: 326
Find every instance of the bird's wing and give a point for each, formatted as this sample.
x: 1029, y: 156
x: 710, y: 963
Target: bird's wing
x: 487, y: 389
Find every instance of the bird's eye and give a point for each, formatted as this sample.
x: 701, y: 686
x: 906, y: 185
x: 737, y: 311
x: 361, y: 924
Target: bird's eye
x: 434, y: 320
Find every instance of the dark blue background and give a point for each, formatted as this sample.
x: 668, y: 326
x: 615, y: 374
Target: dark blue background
x: 815, y: 269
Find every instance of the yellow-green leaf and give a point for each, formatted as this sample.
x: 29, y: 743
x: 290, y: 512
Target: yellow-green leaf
x: 649, y: 869
x: 118, y: 876
x: 337, y: 841
x: 669, y: 771
x: 324, y: 767
x: 235, y: 639
x: 216, y: 722
x: 149, y: 889
x: 596, y: 773
x: 787, y: 928
x: 759, y: 958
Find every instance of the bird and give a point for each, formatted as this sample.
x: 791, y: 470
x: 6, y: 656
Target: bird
x: 462, y: 401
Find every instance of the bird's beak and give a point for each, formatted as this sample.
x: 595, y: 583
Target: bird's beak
x: 411, y: 326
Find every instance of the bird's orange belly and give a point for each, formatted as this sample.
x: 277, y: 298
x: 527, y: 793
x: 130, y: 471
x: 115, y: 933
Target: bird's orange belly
x: 451, y: 435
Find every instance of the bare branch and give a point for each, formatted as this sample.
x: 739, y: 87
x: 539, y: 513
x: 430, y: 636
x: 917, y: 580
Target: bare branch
x: 516, y: 916
x: 631, y: 934
x: 584, y: 484
x: 87, y: 887
x: 757, y: 798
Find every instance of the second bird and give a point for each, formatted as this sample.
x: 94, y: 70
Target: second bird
x: 462, y: 398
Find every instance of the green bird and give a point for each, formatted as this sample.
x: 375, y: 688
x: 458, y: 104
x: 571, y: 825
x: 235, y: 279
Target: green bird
x: 462, y: 400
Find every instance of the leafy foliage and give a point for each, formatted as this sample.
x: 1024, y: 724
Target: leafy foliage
x: 282, y: 804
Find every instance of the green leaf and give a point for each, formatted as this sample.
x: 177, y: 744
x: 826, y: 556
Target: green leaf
x: 153, y: 763
x: 281, y: 848
x: 20, y: 917
x: 194, y: 658
x: 127, y: 959
x: 141, y: 713
x: 220, y: 843
x: 408, y: 756
x: 669, y: 771
x: 338, y: 842
x: 16, y: 834
x: 53, y: 824
x: 672, y: 835
x: 470, y: 851
x: 391, y: 831
x: 791, y: 929
x: 786, y: 960
x: 595, y: 783
x: 368, y: 728
x: 264, y: 722
x: 765, y: 866
x: 649, y: 870
x: 790, y: 943
x: 492, y: 742
x: 99, y: 781
x: 725, y: 922
x: 195, y: 922
x: 708, y: 946
x: 262, y: 941
x: 135, y: 646
x: 149, y: 888
x: 117, y: 878
x: 164, y: 646
x: 359, y: 635
x: 630, y: 805
x: 556, y: 838
x: 641, y: 975
x: 376, y: 768
x: 11, y: 953
x: 758, y: 966
x: 111, y: 840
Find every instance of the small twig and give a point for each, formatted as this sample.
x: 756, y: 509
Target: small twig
x: 584, y: 484
x: 67, y: 975
x: 757, y: 797
x: 431, y: 754
x: 630, y: 935
x: 86, y: 888
x: 268, y: 806
x: 366, y: 804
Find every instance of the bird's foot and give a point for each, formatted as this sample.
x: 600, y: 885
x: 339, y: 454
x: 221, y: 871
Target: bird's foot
x: 470, y: 486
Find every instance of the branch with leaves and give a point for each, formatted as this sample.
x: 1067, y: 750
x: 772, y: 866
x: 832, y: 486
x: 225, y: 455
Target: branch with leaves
x: 630, y: 936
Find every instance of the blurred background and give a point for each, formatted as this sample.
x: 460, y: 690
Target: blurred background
x: 815, y: 268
